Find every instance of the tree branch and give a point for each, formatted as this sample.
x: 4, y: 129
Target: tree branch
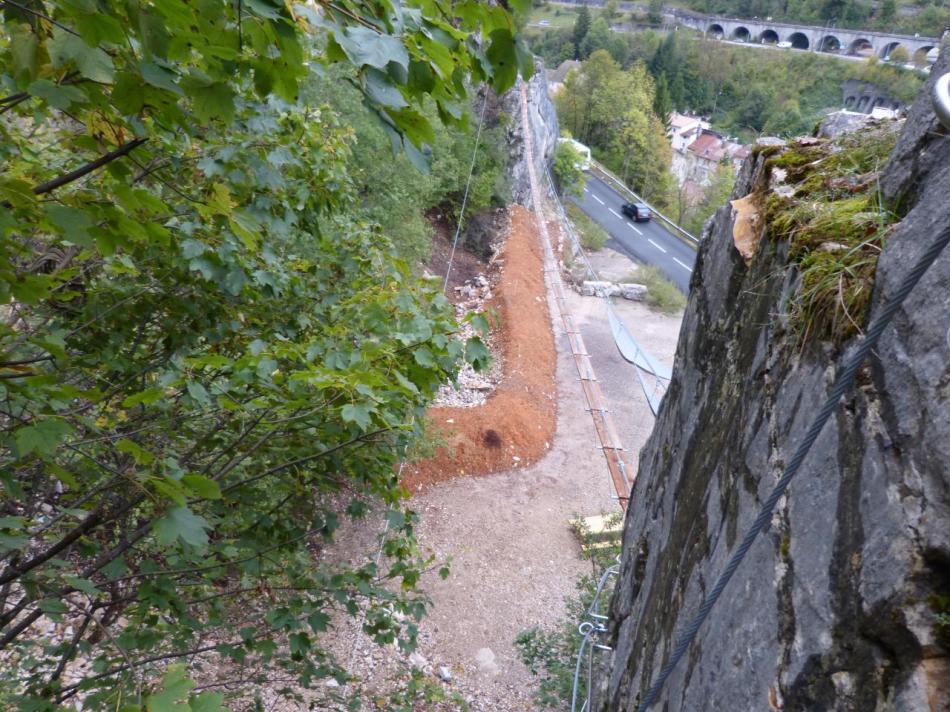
x: 62, y: 180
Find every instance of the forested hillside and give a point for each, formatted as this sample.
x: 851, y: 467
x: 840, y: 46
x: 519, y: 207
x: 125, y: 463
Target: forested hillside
x: 212, y: 346
x: 745, y: 92
x: 611, y: 110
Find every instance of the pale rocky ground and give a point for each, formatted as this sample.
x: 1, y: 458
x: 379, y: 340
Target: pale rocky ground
x: 514, y: 556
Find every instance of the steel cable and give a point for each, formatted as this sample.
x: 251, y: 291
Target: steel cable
x: 842, y: 384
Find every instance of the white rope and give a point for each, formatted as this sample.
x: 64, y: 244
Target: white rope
x: 468, y: 183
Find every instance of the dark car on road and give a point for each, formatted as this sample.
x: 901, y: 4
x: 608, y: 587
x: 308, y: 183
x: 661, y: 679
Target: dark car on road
x: 638, y: 211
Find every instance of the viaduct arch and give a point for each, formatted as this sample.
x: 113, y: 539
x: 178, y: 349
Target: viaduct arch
x: 806, y: 37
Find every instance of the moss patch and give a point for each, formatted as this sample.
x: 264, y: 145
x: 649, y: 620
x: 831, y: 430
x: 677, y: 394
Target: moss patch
x: 830, y: 210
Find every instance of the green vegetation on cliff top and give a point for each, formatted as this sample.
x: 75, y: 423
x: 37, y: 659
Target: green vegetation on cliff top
x: 824, y: 198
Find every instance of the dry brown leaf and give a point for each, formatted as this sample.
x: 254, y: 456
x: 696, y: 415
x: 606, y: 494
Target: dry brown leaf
x: 745, y: 228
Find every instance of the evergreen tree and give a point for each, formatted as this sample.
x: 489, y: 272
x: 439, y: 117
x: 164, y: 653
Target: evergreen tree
x: 598, y: 37
x: 664, y: 60
x: 581, y: 27
x: 677, y: 89
x: 662, y: 102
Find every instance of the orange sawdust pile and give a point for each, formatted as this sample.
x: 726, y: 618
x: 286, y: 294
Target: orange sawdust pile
x: 514, y: 427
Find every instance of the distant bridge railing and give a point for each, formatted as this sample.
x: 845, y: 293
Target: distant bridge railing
x: 598, y: 170
x: 761, y: 21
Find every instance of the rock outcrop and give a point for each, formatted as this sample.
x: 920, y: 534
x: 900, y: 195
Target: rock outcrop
x: 838, y: 604
x: 544, y: 132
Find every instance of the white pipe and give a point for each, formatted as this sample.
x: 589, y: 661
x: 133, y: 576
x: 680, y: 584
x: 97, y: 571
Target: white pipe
x: 941, y: 99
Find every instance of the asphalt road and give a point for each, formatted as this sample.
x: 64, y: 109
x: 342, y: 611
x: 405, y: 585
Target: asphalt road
x: 644, y: 242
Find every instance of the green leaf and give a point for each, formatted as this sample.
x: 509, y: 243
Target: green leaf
x: 379, y: 88
x: 62, y: 475
x: 416, y: 157
x: 424, y: 357
x: 192, y: 248
x: 8, y: 542
x: 479, y: 322
x: 42, y: 438
x: 208, y: 702
x: 53, y: 606
x: 127, y: 94
x: 16, y: 191
x: 160, y: 77
x: 477, y: 354
x: 364, y: 46
x: 171, y: 488
x: 525, y: 59
x: 146, y: 397
x: 299, y: 643
x: 138, y: 453
x: 181, y: 523
x: 12, y: 522
x: 202, y: 486
x: 172, y: 695
x: 396, y: 519
x: 23, y: 51
x: 210, y: 101
x: 318, y: 621
x: 56, y: 95
x: 358, y: 413
x: 84, y: 585
x: 199, y: 393
x: 31, y: 288
x: 73, y: 222
x: 504, y: 60
x: 92, y: 62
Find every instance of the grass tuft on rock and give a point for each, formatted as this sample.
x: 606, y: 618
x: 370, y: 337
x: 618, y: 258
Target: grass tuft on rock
x: 826, y: 202
x: 592, y: 235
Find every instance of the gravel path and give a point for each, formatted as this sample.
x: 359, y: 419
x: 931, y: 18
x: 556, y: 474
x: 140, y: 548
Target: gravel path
x: 514, y: 556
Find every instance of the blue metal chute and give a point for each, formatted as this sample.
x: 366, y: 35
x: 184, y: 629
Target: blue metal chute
x: 631, y: 351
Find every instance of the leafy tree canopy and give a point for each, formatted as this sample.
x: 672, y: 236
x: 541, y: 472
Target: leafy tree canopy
x: 208, y: 352
x: 611, y: 110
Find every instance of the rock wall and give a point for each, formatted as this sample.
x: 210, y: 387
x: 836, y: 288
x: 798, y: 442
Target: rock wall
x: 544, y: 131
x: 834, y: 608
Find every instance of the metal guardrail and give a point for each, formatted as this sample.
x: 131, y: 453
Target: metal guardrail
x: 941, y: 99
x: 600, y: 171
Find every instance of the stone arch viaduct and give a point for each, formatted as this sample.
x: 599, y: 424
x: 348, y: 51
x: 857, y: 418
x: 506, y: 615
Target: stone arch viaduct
x: 821, y: 39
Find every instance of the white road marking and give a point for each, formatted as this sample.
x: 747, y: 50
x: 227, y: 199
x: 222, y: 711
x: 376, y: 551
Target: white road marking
x: 598, y: 199
x: 686, y: 267
x: 635, y: 228
x: 586, y: 191
x: 614, y: 212
x: 656, y: 246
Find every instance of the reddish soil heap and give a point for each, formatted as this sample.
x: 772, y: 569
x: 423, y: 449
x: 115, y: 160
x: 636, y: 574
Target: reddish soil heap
x: 518, y: 419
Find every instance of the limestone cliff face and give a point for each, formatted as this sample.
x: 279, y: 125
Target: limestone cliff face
x: 835, y: 606
x: 544, y: 132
